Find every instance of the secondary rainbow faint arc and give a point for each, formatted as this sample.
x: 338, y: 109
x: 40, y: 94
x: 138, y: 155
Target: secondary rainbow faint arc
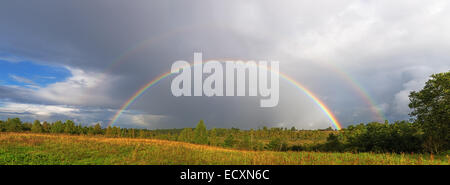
x: 316, y: 100
x: 362, y: 92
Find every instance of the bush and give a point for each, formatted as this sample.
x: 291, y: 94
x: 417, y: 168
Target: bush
x: 277, y: 144
x: 377, y: 137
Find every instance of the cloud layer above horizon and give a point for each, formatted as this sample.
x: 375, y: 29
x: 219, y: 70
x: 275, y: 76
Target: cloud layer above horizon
x: 83, y: 60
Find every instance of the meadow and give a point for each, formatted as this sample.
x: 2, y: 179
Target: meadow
x: 62, y: 149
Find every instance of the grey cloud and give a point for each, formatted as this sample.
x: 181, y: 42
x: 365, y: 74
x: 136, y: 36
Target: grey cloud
x: 120, y: 46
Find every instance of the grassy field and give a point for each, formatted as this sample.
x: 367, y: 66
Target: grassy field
x: 28, y: 148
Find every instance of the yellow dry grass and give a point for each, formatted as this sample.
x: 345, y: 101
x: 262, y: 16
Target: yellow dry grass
x: 30, y: 148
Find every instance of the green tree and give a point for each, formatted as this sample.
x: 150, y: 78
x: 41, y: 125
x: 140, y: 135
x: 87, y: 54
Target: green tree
x: 124, y: 132
x: 213, y: 137
x: 293, y: 128
x: 200, y: 133
x: 277, y: 144
x: 229, y: 141
x: 115, y: 131
x: 333, y: 143
x: 13, y: 125
x: 26, y: 126
x: 78, y: 129
x: 90, y: 131
x: 109, y: 132
x: 98, y: 129
x: 132, y: 133
x: 431, y: 110
x: 57, y: 127
x: 69, y: 127
x: 142, y: 133
x: 45, y: 127
x: 2, y: 126
x: 185, y: 135
x: 246, y: 142
x: 37, y: 127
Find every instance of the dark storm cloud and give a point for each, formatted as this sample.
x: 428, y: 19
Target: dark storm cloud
x: 113, y: 48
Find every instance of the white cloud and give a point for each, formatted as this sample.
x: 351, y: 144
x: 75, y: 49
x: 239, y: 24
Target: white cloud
x: 369, y: 29
x: 141, y: 120
x: 22, y: 79
x: 40, y: 111
x: 82, y: 88
x: 146, y: 119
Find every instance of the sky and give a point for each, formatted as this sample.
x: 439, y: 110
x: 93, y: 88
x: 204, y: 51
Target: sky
x: 82, y: 60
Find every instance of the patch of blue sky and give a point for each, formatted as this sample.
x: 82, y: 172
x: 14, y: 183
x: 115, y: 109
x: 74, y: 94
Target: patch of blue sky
x: 30, y: 74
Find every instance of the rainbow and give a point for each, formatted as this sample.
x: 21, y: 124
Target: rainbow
x: 299, y: 86
x: 359, y: 89
x: 316, y: 100
x: 361, y: 92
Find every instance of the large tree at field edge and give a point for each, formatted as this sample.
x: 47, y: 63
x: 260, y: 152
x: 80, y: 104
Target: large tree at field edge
x: 431, y: 110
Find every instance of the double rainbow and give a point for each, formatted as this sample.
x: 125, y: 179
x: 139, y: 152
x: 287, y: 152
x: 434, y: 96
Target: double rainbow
x: 299, y: 86
x: 359, y: 89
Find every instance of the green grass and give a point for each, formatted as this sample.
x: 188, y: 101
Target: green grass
x: 27, y: 148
